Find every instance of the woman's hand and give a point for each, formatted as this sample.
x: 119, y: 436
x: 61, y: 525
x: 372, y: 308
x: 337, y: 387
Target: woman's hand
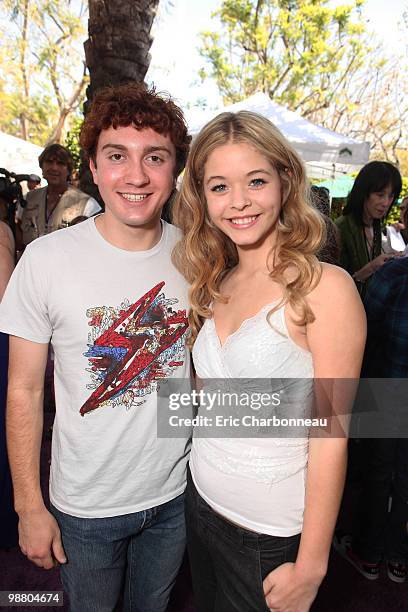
x: 372, y: 266
x: 288, y: 589
x: 379, y: 261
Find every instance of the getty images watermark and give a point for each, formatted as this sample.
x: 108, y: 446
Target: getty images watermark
x: 223, y: 409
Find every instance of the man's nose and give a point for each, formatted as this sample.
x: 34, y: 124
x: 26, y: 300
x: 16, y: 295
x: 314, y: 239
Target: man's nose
x: 136, y: 173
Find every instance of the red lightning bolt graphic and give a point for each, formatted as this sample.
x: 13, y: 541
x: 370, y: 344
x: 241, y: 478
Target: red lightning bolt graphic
x: 134, y: 361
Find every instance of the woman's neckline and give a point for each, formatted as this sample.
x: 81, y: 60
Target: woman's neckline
x: 243, y: 322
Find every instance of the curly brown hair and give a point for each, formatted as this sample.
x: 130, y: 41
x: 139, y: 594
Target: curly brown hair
x: 135, y: 104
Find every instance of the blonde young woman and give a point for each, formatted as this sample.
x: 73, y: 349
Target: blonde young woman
x: 261, y: 513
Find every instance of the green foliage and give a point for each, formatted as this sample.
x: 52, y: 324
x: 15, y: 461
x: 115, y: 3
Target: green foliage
x: 41, y: 66
x: 297, y: 51
x: 72, y: 140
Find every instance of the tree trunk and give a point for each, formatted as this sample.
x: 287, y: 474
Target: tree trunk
x: 117, y: 50
x: 119, y: 41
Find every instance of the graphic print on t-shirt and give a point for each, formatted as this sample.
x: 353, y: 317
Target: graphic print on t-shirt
x: 131, y: 347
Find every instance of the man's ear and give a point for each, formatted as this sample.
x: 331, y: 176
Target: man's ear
x: 92, y: 167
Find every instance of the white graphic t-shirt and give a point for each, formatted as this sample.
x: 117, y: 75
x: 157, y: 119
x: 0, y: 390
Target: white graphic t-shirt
x: 117, y: 322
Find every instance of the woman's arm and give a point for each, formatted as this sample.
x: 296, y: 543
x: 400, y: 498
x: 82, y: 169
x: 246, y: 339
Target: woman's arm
x: 372, y: 266
x: 6, y: 256
x: 336, y: 339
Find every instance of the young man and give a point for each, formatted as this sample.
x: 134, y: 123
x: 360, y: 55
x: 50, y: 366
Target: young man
x: 107, y: 295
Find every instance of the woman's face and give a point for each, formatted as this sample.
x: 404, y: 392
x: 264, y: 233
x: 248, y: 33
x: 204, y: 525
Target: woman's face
x: 377, y: 203
x: 243, y: 193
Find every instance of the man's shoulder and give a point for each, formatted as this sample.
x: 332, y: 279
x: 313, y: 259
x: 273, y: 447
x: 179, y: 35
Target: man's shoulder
x: 395, y: 269
x: 390, y: 279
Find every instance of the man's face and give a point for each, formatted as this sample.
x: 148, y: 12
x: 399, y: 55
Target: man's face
x: 135, y: 174
x: 55, y: 172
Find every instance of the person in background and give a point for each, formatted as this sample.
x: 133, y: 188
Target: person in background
x: 8, y: 517
x: 330, y: 251
x: 380, y: 534
x: 375, y: 190
x: 403, y: 212
x: 398, y: 232
x: 33, y: 182
x: 55, y: 206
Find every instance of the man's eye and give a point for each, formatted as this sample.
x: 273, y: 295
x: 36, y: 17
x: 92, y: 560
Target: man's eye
x: 219, y: 188
x: 116, y: 156
x: 257, y: 182
x: 156, y: 159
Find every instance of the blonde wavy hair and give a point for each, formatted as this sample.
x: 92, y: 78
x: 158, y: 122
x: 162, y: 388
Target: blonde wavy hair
x: 204, y: 255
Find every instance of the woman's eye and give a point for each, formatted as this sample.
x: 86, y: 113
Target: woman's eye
x: 218, y: 188
x: 257, y: 182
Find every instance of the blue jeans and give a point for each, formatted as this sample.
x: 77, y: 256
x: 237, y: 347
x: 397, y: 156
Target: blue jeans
x: 136, y: 556
x: 229, y: 563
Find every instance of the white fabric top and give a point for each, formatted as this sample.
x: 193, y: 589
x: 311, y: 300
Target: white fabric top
x: 117, y: 322
x: 393, y: 241
x: 258, y: 483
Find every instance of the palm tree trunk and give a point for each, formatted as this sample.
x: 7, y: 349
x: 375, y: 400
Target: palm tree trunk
x: 119, y: 41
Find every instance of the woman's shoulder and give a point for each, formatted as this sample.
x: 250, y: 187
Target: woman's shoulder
x: 334, y: 287
x: 348, y: 223
x: 339, y: 314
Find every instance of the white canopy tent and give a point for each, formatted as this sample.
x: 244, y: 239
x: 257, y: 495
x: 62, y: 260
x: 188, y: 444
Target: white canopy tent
x: 19, y: 156
x: 313, y: 142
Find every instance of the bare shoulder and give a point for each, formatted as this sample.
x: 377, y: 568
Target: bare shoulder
x: 337, y: 335
x: 335, y: 286
x: 336, y: 303
x: 6, y: 236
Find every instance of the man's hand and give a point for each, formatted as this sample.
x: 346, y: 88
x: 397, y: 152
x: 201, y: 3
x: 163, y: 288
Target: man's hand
x: 286, y: 589
x: 40, y: 538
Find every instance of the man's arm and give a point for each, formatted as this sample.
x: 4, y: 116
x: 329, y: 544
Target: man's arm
x: 6, y: 256
x: 39, y: 534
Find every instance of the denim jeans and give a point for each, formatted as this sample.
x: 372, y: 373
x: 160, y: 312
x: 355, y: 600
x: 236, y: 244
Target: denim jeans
x: 228, y: 562
x: 134, y: 556
x: 380, y: 533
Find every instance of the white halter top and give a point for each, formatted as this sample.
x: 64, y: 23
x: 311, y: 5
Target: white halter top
x: 258, y: 483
